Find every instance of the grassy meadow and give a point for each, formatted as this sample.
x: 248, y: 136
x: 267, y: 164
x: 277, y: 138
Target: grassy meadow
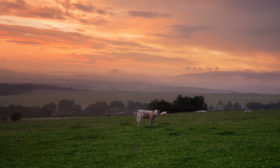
x: 214, y: 139
x: 86, y: 97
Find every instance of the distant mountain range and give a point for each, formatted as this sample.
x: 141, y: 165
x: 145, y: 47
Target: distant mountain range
x: 16, y: 88
x: 94, y: 82
x: 209, y: 82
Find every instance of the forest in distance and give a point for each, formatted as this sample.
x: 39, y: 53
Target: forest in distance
x: 68, y: 108
x: 126, y: 105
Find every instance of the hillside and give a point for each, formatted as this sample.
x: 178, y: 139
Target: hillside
x: 111, y: 82
x: 15, y: 88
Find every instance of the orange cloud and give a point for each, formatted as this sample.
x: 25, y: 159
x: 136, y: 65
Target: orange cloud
x: 60, y: 11
x: 156, y: 37
x: 31, y: 35
x: 24, y: 9
x: 148, y: 14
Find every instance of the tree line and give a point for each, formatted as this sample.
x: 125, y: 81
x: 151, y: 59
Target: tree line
x: 221, y: 106
x: 227, y: 106
x: 71, y: 108
x: 261, y: 106
x: 180, y: 104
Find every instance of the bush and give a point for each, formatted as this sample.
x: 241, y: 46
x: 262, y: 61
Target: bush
x: 16, y: 116
x: 68, y: 107
x: 117, y: 104
x: 49, y: 109
x: 160, y: 105
x: 254, y: 106
x: 97, y: 108
x: 4, y: 119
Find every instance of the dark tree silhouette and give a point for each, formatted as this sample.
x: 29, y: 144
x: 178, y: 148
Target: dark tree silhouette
x: 49, y: 109
x: 181, y: 104
x: 237, y: 106
x: 98, y: 108
x: 254, y: 106
x: 229, y: 106
x: 160, y: 105
x: 117, y: 104
x: 16, y: 116
x: 220, y: 105
x: 68, y: 107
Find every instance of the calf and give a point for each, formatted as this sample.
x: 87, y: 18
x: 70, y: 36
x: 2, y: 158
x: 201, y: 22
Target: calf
x: 146, y: 114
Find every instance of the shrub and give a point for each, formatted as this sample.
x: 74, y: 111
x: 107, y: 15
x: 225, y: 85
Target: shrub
x: 49, y: 109
x: 254, y: 106
x: 160, y: 105
x: 117, y: 104
x: 68, y: 107
x: 4, y: 119
x: 16, y: 116
x: 98, y: 108
x: 181, y: 104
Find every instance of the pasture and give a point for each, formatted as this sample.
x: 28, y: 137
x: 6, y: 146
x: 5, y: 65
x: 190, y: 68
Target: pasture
x: 86, y: 97
x: 214, y: 139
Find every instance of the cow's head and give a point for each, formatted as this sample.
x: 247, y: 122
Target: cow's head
x: 156, y: 112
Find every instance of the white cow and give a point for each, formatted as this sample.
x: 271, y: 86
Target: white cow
x: 146, y: 114
x: 247, y: 110
x: 201, y: 111
x: 163, y: 113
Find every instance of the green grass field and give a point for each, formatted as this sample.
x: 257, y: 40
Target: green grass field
x: 84, y: 97
x: 214, y: 139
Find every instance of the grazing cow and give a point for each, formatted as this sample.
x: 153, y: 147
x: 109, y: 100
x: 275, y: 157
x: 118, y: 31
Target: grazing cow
x: 201, y: 111
x: 146, y: 114
x: 247, y: 110
x: 163, y: 113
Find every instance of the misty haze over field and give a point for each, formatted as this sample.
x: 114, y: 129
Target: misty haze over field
x: 210, y: 82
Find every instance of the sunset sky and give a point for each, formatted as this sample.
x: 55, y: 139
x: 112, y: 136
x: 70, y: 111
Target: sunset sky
x: 155, y: 37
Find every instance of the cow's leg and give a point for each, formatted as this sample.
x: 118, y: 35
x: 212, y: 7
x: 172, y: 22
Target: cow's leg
x: 139, y: 123
x: 138, y: 120
x: 151, y: 122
